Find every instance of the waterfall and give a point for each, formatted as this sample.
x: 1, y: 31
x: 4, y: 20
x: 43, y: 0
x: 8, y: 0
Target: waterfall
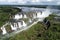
x: 14, y: 27
x: 18, y: 16
x: 24, y: 24
x: 30, y: 20
x: 34, y: 16
x: 19, y: 24
x: 3, y: 30
x: 25, y: 16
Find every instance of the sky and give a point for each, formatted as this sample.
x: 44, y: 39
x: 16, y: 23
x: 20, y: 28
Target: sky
x: 29, y: 2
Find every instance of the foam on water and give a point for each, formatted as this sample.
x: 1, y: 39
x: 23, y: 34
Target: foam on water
x: 3, y: 30
x: 18, y: 16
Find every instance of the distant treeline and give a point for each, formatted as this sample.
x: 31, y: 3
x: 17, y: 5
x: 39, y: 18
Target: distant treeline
x: 37, y: 6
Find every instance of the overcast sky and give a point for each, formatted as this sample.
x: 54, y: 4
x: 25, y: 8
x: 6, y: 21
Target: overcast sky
x: 30, y: 2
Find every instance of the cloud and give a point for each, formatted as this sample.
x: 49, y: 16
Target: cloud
x: 11, y: 0
x: 49, y: 0
x: 30, y: 2
x: 58, y: 3
x: 35, y: 0
x: 2, y: 0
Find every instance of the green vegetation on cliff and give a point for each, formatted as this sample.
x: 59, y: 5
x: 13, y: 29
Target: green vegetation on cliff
x: 6, y: 13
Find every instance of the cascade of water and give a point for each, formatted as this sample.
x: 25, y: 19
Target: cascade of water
x: 24, y: 24
x: 34, y: 16
x: 3, y: 30
x: 39, y: 15
x: 19, y: 24
x: 14, y: 27
x: 46, y: 13
x: 30, y: 20
x: 18, y: 16
x: 25, y: 16
x: 43, y: 14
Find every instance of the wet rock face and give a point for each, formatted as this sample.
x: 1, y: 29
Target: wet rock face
x: 47, y: 23
x: 39, y: 35
x: 45, y: 20
x: 20, y: 10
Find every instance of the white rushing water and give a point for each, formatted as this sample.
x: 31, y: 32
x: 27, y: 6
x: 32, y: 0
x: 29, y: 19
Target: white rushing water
x: 17, y: 16
x: 3, y: 30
